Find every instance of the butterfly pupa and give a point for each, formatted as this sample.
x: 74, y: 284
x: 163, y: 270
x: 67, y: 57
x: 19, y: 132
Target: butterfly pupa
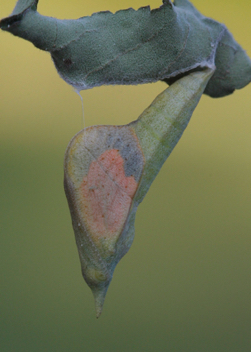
x: 109, y: 169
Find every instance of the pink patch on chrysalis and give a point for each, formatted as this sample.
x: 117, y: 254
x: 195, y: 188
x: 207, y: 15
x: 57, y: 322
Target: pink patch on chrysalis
x: 107, y: 195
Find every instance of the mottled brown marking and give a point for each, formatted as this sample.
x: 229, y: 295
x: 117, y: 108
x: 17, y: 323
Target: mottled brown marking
x: 107, y: 195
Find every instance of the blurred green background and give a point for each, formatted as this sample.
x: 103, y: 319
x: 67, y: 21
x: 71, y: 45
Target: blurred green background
x: 185, y: 285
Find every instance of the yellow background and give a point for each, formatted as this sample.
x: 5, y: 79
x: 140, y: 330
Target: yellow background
x: 185, y: 285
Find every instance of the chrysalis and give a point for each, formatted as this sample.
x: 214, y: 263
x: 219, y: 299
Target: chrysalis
x: 108, y: 171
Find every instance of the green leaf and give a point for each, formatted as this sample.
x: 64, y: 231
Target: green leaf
x: 134, y: 47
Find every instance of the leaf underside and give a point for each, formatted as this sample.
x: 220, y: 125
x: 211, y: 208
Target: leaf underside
x: 135, y: 47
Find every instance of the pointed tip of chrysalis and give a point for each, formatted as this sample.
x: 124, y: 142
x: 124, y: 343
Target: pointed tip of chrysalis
x: 99, y: 299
